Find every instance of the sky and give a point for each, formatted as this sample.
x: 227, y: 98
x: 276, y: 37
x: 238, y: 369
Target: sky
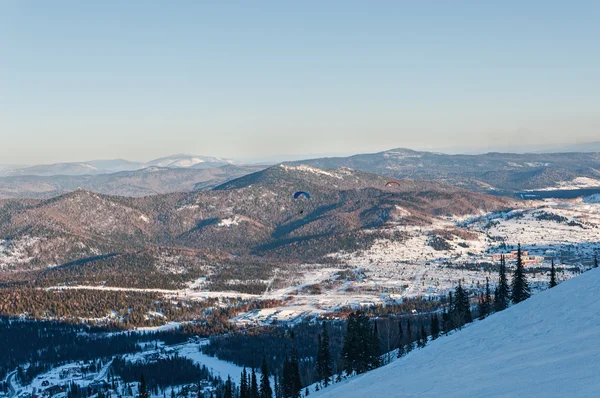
x: 256, y: 80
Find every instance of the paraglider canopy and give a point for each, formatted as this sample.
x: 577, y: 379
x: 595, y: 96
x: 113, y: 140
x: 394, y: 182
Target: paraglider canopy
x: 301, y: 193
x: 391, y: 183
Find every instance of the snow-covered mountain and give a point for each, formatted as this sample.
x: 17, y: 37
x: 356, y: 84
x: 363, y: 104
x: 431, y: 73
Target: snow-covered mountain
x: 94, y: 167
x: 184, y: 161
x: 546, y: 346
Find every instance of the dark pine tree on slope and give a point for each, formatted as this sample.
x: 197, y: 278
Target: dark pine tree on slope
x: 401, y: 349
x: 461, y: 311
x: 324, y: 361
x: 552, y: 276
x: 265, y: 384
x: 502, y: 293
x: 595, y: 261
x: 435, y: 326
x: 244, y: 390
x: 254, y: 384
x: 228, y: 393
x: 292, y: 385
x: 360, y: 349
x: 520, y: 287
x: 409, y: 344
x: 143, y: 390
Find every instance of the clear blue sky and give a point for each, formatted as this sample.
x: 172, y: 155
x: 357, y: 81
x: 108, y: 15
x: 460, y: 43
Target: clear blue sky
x: 140, y: 79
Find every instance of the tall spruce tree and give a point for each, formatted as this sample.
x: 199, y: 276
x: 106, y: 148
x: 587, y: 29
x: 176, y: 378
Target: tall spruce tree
x: 324, y: 361
x: 422, y: 341
x: 595, y: 261
x: 360, y: 349
x: 409, y: 340
x: 520, y: 286
x: 375, y: 343
x: 401, y: 349
x: 244, y: 390
x: 435, y: 326
x: 552, y: 275
x: 286, y: 379
x: 228, y: 393
x: 143, y: 389
x: 501, y: 298
x: 319, y: 360
x: 293, y: 381
x: 488, y: 297
x: 461, y: 313
x: 254, y: 393
x: 265, y: 384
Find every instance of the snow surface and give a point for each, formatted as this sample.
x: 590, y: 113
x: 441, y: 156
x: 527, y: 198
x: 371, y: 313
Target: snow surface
x: 546, y: 346
x: 313, y: 170
x: 576, y: 183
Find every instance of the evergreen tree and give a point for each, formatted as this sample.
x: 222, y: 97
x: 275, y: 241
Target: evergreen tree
x: 296, y: 382
x: 435, y: 326
x: 143, y: 389
x: 278, y: 385
x: 481, y: 307
x: 360, y: 350
x: 375, y: 343
x: 265, y: 384
x: 228, y: 388
x: 461, y: 309
x: 501, y: 298
x: 291, y: 383
x: 244, y: 390
x: 595, y: 261
x: 422, y: 336
x: 320, y: 372
x: 324, y: 361
x: 446, y: 327
x: 520, y: 287
x: 488, y: 298
x: 253, y: 384
x: 553, y: 275
x: 401, y: 350
x: 409, y: 344
x: 286, y: 379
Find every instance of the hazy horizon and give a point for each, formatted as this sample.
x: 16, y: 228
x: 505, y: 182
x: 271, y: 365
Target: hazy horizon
x: 142, y: 80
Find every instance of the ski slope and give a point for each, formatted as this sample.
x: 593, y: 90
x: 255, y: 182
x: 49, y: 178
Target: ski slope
x: 547, y: 346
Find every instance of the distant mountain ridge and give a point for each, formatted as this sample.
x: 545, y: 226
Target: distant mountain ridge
x: 115, y: 165
x: 497, y: 173
x: 142, y: 182
x: 491, y: 172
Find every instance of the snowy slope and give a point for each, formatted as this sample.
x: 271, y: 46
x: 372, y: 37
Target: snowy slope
x: 547, y: 346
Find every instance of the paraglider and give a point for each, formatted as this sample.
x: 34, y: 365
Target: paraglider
x: 392, y: 183
x: 301, y: 193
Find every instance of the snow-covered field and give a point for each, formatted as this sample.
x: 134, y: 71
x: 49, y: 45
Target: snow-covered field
x: 545, y: 347
x: 566, y: 230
